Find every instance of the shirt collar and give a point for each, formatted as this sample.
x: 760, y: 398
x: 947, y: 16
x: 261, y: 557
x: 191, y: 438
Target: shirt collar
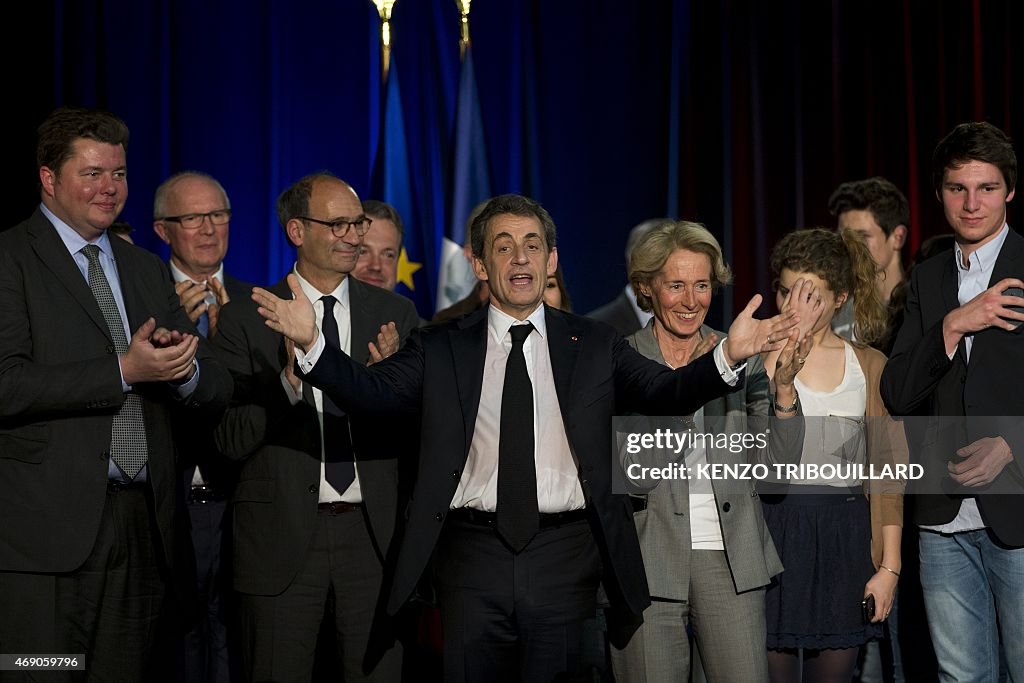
x: 179, y: 276
x: 984, y: 257
x: 313, y: 294
x: 499, y: 322
x: 74, y: 242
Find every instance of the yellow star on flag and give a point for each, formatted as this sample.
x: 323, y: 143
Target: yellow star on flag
x: 406, y: 268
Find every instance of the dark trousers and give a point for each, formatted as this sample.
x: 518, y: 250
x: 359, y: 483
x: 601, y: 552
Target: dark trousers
x: 515, y: 617
x: 207, y: 645
x: 279, y: 632
x: 106, y: 610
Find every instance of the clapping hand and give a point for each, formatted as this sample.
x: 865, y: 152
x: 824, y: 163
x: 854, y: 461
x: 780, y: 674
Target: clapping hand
x: 294, y: 318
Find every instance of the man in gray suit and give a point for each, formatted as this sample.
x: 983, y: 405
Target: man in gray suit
x: 317, y: 499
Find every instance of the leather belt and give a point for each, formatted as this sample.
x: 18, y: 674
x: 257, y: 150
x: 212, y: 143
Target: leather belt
x: 117, y: 486
x: 338, y: 507
x: 547, y: 519
x: 204, y: 493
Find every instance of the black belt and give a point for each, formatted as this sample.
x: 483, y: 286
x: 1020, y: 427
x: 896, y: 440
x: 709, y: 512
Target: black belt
x: 338, y: 507
x: 117, y: 486
x: 204, y: 493
x: 547, y: 519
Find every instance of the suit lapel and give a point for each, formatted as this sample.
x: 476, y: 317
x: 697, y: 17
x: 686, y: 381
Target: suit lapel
x: 564, y: 341
x: 51, y: 251
x: 134, y: 304
x: 468, y: 339
x: 360, y: 321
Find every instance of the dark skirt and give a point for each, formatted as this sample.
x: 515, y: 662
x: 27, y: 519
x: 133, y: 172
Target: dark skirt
x: 824, y: 540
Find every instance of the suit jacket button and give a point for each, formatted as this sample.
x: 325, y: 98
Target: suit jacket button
x: 455, y: 474
x: 104, y: 455
x: 110, y: 348
x: 313, y: 488
x: 726, y: 507
x: 439, y: 516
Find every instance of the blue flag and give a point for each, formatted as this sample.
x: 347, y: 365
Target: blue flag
x: 470, y: 185
x: 392, y: 183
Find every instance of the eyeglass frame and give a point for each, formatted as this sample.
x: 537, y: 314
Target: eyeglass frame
x: 349, y: 224
x: 180, y: 220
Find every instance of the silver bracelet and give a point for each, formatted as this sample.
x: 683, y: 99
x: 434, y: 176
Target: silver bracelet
x: 786, y: 411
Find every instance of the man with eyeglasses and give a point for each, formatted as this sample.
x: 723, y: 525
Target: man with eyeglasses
x: 191, y: 214
x: 318, y: 495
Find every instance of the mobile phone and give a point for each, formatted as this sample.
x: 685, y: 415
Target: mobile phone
x: 1014, y: 291
x: 867, y: 607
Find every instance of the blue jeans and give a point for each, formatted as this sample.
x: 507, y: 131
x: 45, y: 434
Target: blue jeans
x: 974, y: 596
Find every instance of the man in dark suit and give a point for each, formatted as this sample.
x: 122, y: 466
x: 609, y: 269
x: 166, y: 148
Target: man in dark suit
x: 191, y: 214
x: 513, y: 497
x: 622, y: 312
x: 959, y: 353
x: 311, y: 526
x: 94, y: 352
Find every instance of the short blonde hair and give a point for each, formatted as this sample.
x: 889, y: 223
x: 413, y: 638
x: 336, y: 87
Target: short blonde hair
x: 654, y: 248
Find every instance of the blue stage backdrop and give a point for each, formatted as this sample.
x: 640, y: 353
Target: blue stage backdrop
x: 743, y: 116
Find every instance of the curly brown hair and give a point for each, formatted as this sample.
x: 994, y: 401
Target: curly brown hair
x: 844, y: 262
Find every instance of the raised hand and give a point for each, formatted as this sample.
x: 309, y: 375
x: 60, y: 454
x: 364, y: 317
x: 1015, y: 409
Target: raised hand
x: 158, y: 355
x: 293, y: 318
x: 387, y: 343
x: 991, y: 308
x: 805, y: 300
x: 791, y: 359
x: 749, y: 335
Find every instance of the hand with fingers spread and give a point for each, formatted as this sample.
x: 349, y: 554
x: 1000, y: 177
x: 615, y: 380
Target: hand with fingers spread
x: 991, y: 308
x: 294, y: 318
x: 982, y: 461
x: 387, y: 343
x: 158, y: 355
x: 749, y: 335
x: 805, y: 300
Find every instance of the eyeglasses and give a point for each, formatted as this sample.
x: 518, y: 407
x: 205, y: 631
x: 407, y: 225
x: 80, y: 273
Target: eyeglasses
x: 341, y: 226
x: 192, y: 221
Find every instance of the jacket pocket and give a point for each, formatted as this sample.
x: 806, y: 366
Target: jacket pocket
x: 26, y: 443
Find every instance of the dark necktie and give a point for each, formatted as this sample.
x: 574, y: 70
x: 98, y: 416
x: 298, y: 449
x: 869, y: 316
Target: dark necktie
x: 128, y: 434
x: 338, y: 457
x: 517, y: 517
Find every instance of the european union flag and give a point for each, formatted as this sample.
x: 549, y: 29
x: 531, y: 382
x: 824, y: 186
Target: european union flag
x: 392, y: 183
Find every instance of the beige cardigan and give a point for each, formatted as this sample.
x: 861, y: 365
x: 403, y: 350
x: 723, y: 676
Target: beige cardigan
x: 887, y: 445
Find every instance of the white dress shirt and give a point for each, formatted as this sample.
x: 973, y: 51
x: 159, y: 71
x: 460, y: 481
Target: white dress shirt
x: 342, y: 315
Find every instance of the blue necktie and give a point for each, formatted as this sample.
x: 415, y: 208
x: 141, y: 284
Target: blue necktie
x: 203, y: 324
